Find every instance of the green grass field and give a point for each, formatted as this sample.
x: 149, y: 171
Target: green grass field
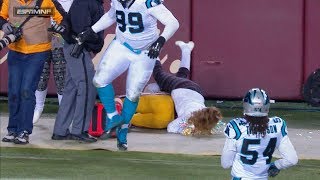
x: 22, y: 163
x: 297, y: 114
x: 25, y: 163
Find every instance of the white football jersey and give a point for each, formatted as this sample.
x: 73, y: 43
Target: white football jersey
x: 254, y: 154
x: 136, y: 27
x: 186, y: 102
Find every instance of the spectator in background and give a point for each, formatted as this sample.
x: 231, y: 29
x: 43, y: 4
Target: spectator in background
x: 79, y: 92
x: 58, y: 62
x: 26, y: 58
x: 252, y: 139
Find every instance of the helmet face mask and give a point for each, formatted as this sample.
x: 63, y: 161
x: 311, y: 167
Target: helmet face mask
x: 256, y: 103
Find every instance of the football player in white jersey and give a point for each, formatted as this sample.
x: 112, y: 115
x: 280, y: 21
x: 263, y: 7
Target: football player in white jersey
x: 136, y: 47
x: 252, y: 139
x: 193, y: 117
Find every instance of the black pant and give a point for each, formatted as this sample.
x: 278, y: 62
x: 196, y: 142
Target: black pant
x: 168, y: 82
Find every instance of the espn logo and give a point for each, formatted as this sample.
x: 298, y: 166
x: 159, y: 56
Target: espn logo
x: 25, y: 11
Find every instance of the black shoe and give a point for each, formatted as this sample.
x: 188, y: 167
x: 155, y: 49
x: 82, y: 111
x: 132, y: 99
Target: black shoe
x: 122, y: 147
x: 9, y: 137
x: 84, y: 137
x: 108, y: 134
x: 59, y: 137
x: 22, y: 138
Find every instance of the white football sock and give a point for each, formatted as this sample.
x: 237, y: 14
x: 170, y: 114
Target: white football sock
x: 40, y: 99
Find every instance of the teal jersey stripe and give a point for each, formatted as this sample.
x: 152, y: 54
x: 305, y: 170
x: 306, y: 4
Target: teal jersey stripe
x: 283, y: 128
x: 136, y: 51
x: 236, y: 128
x: 148, y: 3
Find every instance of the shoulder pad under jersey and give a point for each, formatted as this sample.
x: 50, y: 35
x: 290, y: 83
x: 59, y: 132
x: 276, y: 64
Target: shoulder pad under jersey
x: 153, y: 3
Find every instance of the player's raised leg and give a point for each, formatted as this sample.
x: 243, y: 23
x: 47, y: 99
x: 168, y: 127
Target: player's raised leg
x: 110, y: 67
x: 186, y: 49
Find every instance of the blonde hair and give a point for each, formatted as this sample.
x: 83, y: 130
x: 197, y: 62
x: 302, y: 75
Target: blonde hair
x: 205, y: 120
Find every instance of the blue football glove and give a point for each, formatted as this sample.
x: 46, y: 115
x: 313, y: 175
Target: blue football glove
x: 273, y: 170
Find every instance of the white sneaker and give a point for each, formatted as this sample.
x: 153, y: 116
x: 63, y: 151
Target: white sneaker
x: 36, y: 116
x: 183, y: 45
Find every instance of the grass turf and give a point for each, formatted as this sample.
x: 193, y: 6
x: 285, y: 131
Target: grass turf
x: 24, y: 163
x: 98, y: 164
x: 297, y: 114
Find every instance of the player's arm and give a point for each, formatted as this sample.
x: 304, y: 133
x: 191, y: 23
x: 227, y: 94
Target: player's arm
x: 228, y: 153
x: 177, y: 126
x: 230, y: 150
x: 288, y: 154
x: 105, y: 21
x: 161, y: 13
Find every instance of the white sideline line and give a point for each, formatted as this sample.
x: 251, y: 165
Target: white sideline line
x: 32, y: 157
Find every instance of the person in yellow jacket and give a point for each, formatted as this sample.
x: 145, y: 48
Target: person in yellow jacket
x: 26, y: 58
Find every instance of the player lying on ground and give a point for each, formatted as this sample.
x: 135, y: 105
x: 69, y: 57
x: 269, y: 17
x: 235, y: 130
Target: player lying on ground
x: 194, y: 118
x: 252, y: 139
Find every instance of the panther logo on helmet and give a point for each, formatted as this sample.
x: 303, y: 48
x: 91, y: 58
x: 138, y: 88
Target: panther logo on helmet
x: 256, y: 103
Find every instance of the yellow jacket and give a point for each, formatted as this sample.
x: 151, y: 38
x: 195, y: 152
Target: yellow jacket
x: 21, y: 45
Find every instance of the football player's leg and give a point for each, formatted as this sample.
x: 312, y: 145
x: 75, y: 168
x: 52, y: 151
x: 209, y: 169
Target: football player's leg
x: 139, y: 73
x: 41, y: 91
x: 186, y: 48
x: 113, y: 63
x: 166, y: 81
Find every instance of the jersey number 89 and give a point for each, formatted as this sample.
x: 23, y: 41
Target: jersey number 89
x: 134, y: 19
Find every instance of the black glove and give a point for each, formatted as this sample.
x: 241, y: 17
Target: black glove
x: 87, y: 35
x: 155, y: 48
x: 57, y: 28
x: 273, y: 170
